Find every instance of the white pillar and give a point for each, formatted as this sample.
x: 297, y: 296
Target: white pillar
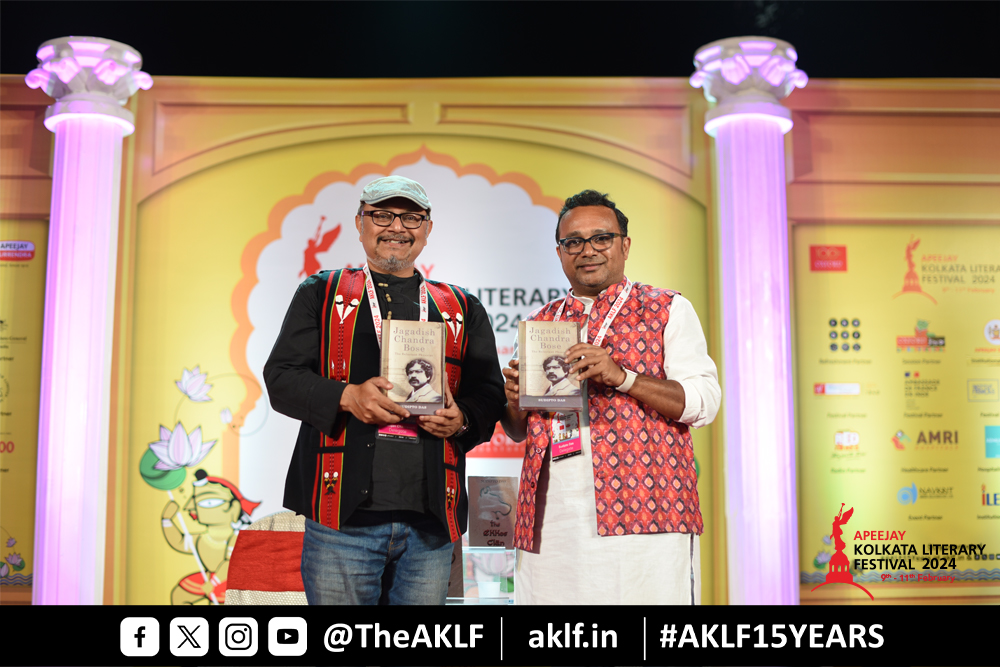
x: 91, y: 79
x: 747, y: 77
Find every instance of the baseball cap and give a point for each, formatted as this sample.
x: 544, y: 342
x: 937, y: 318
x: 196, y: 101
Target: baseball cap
x: 388, y: 187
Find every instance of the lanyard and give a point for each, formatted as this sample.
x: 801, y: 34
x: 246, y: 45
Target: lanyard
x: 377, y: 313
x: 619, y: 302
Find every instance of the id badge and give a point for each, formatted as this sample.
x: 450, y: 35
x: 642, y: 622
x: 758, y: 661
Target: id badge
x: 403, y: 432
x: 566, y: 435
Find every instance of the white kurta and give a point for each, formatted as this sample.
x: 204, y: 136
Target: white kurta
x: 577, y: 566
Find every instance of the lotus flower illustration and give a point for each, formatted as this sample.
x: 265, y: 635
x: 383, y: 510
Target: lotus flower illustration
x: 176, y: 449
x: 822, y: 558
x: 4, y: 570
x: 11, y: 542
x: 226, y: 416
x: 16, y: 562
x: 192, y: 384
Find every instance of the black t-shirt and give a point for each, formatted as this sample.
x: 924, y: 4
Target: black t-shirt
x: 399, y: 476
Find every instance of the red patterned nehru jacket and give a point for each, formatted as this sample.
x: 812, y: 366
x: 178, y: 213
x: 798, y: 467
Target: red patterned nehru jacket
x: 644, y: 474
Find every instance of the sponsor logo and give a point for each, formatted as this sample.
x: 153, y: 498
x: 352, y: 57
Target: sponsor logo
x: 935, y: 492
x: 993, y: 442
x: 846, y: 441
x: 992, y: 332
x: 990, y: 499
x: 837, y: 388
x: 847, y: 448
x: 937, y: 440
x: 828, y: 258
x: 844, y: 338
x: 898, y: 439
x: 922, y: 340
x: 982, y: 391
x: 908, y: 495
x: 16, y: 251
x: 839, y: 563
x: 911, y: 280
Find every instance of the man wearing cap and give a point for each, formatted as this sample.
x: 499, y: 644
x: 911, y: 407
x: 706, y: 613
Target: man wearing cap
x: 383, y: 493
x: 618, y: 523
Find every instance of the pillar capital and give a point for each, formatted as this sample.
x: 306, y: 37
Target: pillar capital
x: 88, y: 75
x: 747, y: 75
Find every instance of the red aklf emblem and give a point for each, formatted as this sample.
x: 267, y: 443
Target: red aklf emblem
x: 911, y: 281
x: 839, y: 574
x: 316, y: 245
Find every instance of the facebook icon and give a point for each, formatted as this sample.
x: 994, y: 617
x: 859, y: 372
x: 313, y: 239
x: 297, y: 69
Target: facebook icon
x: 140, y: 637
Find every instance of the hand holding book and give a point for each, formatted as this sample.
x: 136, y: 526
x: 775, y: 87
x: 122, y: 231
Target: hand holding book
x: 594, y: 363
x: 445, y: 422
x: 368, y: 402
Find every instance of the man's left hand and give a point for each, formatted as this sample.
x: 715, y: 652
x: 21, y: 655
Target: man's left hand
x: 444, y: 423
x: 593, y: 362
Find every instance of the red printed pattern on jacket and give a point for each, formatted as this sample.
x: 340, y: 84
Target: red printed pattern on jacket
x: 644, y: 472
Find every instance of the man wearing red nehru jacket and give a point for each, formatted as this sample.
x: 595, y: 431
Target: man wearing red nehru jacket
x: 619, y: 523
x: 383, y: 495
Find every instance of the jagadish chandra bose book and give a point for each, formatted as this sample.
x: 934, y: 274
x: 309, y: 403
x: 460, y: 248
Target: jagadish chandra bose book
x: 545, y: 382
x: 413, y: 361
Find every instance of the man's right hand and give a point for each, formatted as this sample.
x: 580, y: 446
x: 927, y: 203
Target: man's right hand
x: 511, y: 387
x: 514, y: 421
x: 367, y: 402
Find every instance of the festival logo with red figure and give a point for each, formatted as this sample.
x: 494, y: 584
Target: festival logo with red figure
x: 839, y: 564
x: 911, y: 281
x: 315, y: 246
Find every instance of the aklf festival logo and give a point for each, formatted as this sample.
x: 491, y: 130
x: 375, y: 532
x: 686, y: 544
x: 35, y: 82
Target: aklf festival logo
x: 911, y: 281
x: 839, y: 564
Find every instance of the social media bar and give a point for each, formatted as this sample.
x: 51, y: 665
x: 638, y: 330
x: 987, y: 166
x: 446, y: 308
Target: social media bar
x: 474, y: 634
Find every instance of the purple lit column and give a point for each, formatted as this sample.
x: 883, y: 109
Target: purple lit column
x: 91, y: 79
x: 746, y: 77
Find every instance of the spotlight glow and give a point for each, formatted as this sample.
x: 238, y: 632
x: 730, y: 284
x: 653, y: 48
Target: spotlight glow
x: 52, y: 121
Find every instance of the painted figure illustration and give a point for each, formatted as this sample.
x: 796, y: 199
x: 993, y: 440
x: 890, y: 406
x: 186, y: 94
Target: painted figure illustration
x: 219, y: 506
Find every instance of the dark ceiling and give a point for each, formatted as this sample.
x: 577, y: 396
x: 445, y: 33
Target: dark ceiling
x: 470, y: 39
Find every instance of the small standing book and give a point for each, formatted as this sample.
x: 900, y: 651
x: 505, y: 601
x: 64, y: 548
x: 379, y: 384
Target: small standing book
x: 545, y: 380
x: 413, y: 361
x: 491, y: 511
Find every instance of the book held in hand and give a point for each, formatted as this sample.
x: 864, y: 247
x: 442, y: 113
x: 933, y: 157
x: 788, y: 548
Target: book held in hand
x: 545, y: 382
x: 413, y: 361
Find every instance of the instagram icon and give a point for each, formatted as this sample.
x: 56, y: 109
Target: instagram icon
x: 238, y: 637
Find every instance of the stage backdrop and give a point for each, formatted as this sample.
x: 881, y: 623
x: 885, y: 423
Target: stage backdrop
x: 242, y: 189
x: 894, y: 199
x: 233, y: 190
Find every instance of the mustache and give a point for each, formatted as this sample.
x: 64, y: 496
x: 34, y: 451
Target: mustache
x: 395, y: 237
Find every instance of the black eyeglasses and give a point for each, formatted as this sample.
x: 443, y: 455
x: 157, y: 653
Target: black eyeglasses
x: 386, y: 218
x: 574, y: 244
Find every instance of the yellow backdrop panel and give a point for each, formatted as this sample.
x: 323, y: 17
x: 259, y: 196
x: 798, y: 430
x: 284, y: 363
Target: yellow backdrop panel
x: 898, y: 371
x: 195, y: 246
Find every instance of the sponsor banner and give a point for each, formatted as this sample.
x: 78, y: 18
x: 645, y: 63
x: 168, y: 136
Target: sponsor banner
x: 828, y: 258
x: 837, y: 388
x: 914, y: 448
x: 21, y: 323
x: 16, y: 251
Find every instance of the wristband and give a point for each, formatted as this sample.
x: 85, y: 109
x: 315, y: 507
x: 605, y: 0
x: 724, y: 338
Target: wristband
x: 629, y: 380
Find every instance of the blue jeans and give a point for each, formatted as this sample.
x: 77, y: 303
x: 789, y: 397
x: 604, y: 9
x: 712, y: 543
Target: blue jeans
x: 402, y: 562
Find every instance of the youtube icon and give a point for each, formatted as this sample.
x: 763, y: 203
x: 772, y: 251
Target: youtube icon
x: 286, y: 636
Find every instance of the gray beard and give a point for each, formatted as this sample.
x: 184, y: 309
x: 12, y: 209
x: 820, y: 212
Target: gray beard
x: 389, y: 264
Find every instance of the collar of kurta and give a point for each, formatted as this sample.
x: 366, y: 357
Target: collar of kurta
x: 575, y: 307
